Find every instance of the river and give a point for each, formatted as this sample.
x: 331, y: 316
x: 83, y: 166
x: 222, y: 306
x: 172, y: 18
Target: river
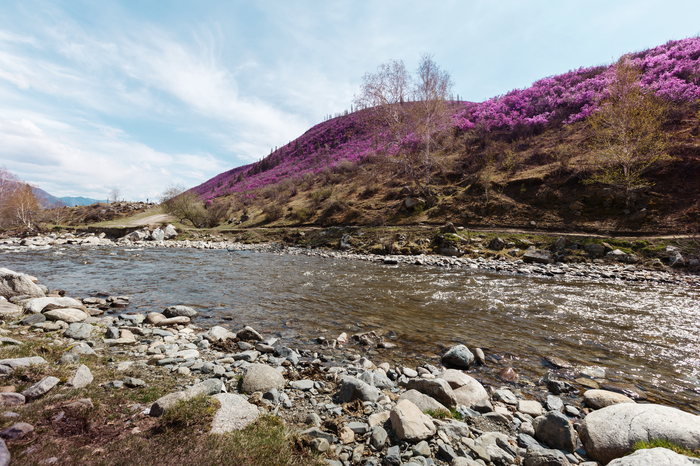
x: 644, y: 334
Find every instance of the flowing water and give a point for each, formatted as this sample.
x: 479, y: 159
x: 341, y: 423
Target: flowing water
x: 647, y: 335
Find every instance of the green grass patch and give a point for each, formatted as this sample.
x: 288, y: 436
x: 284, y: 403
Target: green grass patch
x: 663, y: 443
x: 444, y: 414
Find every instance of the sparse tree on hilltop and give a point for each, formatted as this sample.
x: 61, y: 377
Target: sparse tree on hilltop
x: 113, y: 195
x: 627, y: 136
x: 415, y: 110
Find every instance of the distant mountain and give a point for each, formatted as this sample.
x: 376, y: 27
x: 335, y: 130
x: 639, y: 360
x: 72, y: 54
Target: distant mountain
x: 47, y: 199
x: 74, y: 201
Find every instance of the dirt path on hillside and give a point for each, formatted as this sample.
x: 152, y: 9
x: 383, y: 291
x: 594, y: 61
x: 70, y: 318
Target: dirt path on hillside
x: 151, y: 220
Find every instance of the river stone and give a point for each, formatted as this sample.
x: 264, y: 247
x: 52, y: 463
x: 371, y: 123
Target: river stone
x: 305, y: 384
x: 538, y: 256
x: 82, y: 377
x: 597, y: 399
x: 611, y: 432
x: 4, y: 454
x: 505, y: 396
x: 180, y: 320
x: 545, y: 457
x: 78, y: 331
x: 68, y: 315
x: 454, y: 429
x: 218, y: 334
x: 378, y: 437
x: 169, y: 232
x: 315, y: 432
x: 424, y: 402
x: 437, y: 388
x: 11, y: 399
x: 7, y: 309
x: 458, y: 356
x: 261, y: 378
x: 355, y: 389
x: 158, y: 235
x: 178, y: 311
x: 653, y: 457
x: 555, y: 430
x: 154, y: 317
x: 465, y: 461
x: 410, y: 423
x: 17, y: 430
x: 249, y: 333
x: 36, y: 305
x: 208, y: 387
x: 530, y: 407
x: 235, y: 413
x: 8, y: 365
x: 18, y: 284
x: 41, y: 388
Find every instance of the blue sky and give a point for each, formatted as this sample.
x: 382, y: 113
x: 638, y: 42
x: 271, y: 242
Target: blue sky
x: 143, y: 94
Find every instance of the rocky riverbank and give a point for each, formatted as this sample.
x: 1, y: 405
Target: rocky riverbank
x: 347, y: 403
x: 563, y: 259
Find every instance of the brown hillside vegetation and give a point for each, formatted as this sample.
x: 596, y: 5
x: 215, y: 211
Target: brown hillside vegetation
x: 505, y: 179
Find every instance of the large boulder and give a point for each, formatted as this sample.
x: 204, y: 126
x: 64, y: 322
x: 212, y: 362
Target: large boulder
x: 458, y: 356
x: 68, y: 315
x: 467, y: 390
x: 410, y: 423
x: 437, y: 388
x: 158, y: 235
x: 36, y: 305
x: 355, y: 389
x: 653, y: 457
x: 8, y: 310
x: 8, y: 365
x: 218, y: 334
x: 208, y: 387
x: 179, y: 311
x: 18, y: 284
x: 537, y: 256
x: 611, y: 432
x: 597, y: 399
x: 235, y: 413
x: 261, y: 378
x: 555, y: 430
x: 424, y: 402
x: 169, y: 232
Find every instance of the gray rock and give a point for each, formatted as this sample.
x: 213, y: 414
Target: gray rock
x: 393, y: 456
x: 133, y: 382
x: 81, y: 379
x: 544, y: 457
x: 378, y: 437
x: 505, y: 396
x: 531, y: 407
x: 555, y: 430
x: 18, y: 284
x: 554, y: 403
x: 33, y: 319
x: 410, y: 423
x: 354, y: 389
x: 287, y: 353
x: 169, y: 232
x: 112, y: 333
x: 36, y: 305
x: 537, y: 256
x: 456, y: 430
x: 208, y: 387
x: 180, y: 320
x: 458, y: 356
x: 4, y: 454
x: 78, y: 331
x: 320, y: 445
x: 302, y: 384
x: 598, y: 399
x: 315, y: 432
x: 235, y: 413
x: 249, y: 333
x: 465, y: 461
x: 436, y: 388
x: 261, y: 378
x: 611, y: 432
x: 446, y: 452
x: 11, y: 399
x: 158, y: 235
x: 218, y: 334
x: 68, y: 315
x: 424, y: 402
x: 41, y: 388
x: 248, y: 356
x: 653, y: 457
x: 422, y: 448
x: 179, y: 311
x: 17, y: 430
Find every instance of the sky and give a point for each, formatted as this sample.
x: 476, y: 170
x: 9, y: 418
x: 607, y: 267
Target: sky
x: 141, y: 95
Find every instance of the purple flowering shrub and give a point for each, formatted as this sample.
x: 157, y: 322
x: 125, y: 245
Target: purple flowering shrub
x: 671, y: 70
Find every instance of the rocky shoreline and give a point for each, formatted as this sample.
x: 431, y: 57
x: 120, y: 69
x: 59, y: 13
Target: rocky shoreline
x: 607, y: 263
x: 353, y: 409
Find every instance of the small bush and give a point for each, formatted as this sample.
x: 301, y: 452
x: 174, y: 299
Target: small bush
x: 273, y: 212
x: 195, y: 412
x: 302, y: 215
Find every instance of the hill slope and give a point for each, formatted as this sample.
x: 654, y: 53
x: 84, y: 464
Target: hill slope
x: 506, y: 161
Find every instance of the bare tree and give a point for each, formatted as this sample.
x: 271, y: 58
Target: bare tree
x: 627, y: 136
x: 414, y: 110
x: 187, y: 206
x: 113, y: 195
x: 21, y: 206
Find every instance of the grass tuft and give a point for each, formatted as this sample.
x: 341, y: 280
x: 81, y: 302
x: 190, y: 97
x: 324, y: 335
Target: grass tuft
x: 663, y: 443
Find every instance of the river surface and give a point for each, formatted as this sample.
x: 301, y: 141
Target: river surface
x: 644, y: 334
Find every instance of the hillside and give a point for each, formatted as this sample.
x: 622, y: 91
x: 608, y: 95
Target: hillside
x: 506, y: 162
x: 47, y: 199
